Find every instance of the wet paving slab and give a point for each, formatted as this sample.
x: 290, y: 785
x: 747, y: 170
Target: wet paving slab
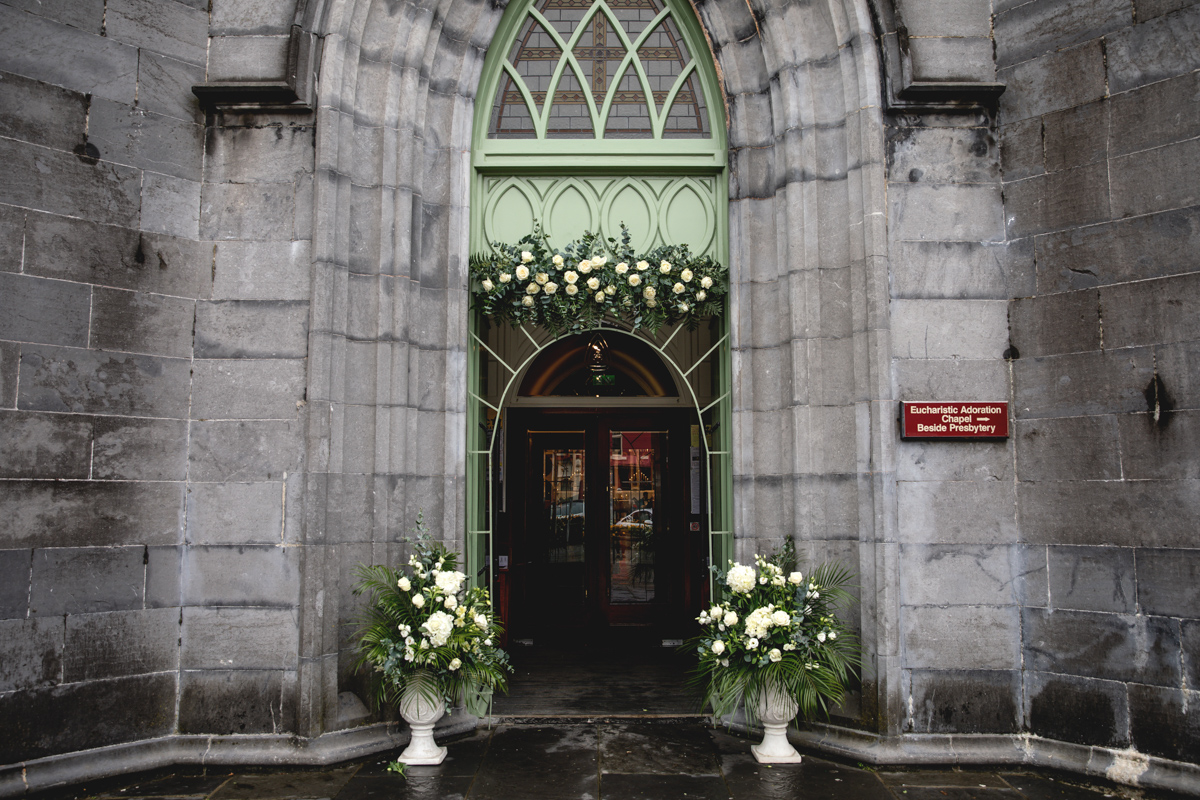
x: 611, y: 760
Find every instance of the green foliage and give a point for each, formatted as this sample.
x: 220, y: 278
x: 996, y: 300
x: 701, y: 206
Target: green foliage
x: 573, y: 289
x: 397, y: 767
x: 422, y: 627
x: 777, y: 626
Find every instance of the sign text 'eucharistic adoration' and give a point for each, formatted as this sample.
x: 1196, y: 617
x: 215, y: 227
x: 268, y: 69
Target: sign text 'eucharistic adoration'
x: 941, y: 420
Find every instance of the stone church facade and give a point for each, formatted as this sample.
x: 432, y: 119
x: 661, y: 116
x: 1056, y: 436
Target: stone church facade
x: 236, y: 338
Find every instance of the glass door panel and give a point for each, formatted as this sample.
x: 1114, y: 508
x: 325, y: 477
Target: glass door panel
x: 635, y: 474
x: 555, y: 537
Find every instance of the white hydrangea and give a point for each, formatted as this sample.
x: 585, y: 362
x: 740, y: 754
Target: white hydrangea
x: 758, y: 622
x: 740, y: 578
x: 439, y: 626
x: 449, y: 582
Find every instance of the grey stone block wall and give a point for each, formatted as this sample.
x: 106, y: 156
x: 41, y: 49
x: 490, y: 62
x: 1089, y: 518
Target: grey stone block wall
x: 1097, y: 130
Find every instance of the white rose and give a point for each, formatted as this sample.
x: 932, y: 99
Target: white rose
x: 730, y: 618
x: 651, y: 303
x: 775, y: 655
x: 418, y: 600
x: 542, y: 278
x: 752, y: 644
x: 622, y: 268
x: 821, y: 637
x: 557, y: 260
x: 505, y: 277
x: 405, y: 584
x: 700, y: 295
x: 664, y: 267
x: 585, y: 266
x: 593, y: 283
x: 551, y: 287
x: 686, y: 275
x: 487, y: 642
x: 718, y: 647
x: 532, y: 288
x: 439, y: 625
x: 678, y: 288
x: 724, y: 662
x: 527, y: 301
x: 642, y: 266
x: 454, y: 664
x: 599, y: 261
x: 740, y: 578
x: 488, y: 285
x: 526, y: 256
x: 781, y: 618
x: 832, y: 635
x: 648, y: 293
x: 522, y: 273
x: 610, y: 290
x: 600, y: 296
x: 572, y: 289
x: 481, y: 622
x: 706, y: 282
x: 796, y: 578
x: 635, y: 280
x: 451, y: 602
x: 571, y: 277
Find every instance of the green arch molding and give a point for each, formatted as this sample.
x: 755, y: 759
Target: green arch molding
x: 615, y: 115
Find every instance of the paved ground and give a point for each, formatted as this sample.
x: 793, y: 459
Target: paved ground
x: 626, y: 760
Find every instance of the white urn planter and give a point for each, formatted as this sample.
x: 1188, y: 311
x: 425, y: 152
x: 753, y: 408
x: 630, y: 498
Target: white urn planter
x: 421, y: 714
x: 776, y: 710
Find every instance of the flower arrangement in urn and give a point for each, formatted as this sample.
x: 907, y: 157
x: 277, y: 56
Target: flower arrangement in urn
x: 776, y: 646
x: 429, y: 640
x: 588, y: 279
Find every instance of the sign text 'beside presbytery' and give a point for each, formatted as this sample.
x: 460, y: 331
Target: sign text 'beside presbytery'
x: 941, y: 420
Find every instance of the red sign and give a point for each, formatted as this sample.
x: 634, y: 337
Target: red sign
x: 938, y: 420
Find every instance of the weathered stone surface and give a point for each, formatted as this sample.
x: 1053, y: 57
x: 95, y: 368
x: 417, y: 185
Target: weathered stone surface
x: 965, y: 701
x: 69, y: 379
x: 170, y: 28
x: 81, y: 716
x: 235, y: 701
x: 14, y: 583
x: 257, y: 17
x: 243, y: 638
x: 252, y: 329
x: 42, y: 311
x: 262, y: 270
x: 1092, y: 579
x: 1150, y: 450
x: 1076, y: 136
x: 961, y: 270
x: 139, y: 449
x: 235, y: 513
x: 1122, y: 513
x: 248, y: 575
x: 967, y: 59
x: 81, y: 580
x: 12, y: 238
x: 63, y: 183
x: 1068, y: 322
x: 247, y: 388
x: 87, y: 15
x: 135, y: 322
x: 1069, y: 448
x: 276, y: 153
x: 120, y: 643
x: 1156, y: 180
x: 170, y: 205
x: 1033, y: 580
x: 1054, y: 81
x: 1191, y: 651
x: 1169, y: 582
x: 163, y: 571
x: 244, y: 451
x: 961, y: 18
x: 1178, y: 365
x: 919, y: 379
x: 126, y: 134
x: 1044, y: 26
x: 42, y: 114
x: 956, y: 511
x: 73, y: 514
x: 956, y: 574
x: 1107, y: 646
x: 943, y: 155
x: 1022, y: 151
x: 44, y: 445
x: 77, y: 250
x: 165, y: 86
x: 970, y: 461
x: 1149, y: 246
x: 946, y: 212
x: 1057, y: 200
x: 961, y: 637
x: 10, y: 357
x: 1081, y: 384
x: 1080, y: 710
x: 31, y: 653
x: 66, y: 56
x: 256, y: 211
x: 1157, y: 49
x: 1152, y: 312
x: 1149, y: 9
x: 247, y: 58
x: 972, y: 329
x: 1161, y: 722
x: 1155, y: 115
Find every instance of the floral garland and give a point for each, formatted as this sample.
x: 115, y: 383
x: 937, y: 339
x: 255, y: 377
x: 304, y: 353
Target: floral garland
x: 574, y: 288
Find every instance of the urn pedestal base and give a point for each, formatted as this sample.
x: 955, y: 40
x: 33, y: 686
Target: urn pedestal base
x: 776, y: 710
x: 421, y: 714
